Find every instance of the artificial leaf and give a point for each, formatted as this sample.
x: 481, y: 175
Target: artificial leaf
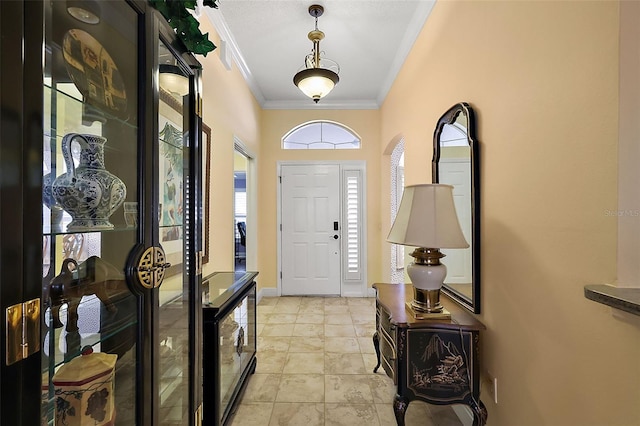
x: 186, y: 26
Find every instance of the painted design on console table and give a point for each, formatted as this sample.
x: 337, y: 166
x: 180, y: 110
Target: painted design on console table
x: 439, y: 369
x: 402, y: 338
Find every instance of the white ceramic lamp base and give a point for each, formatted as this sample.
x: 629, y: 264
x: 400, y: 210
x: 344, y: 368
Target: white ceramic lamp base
x: 427, y: 281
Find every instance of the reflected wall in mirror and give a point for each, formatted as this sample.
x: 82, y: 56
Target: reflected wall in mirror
x: 456, y: 162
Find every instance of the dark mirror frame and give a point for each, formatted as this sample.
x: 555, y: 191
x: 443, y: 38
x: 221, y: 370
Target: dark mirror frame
x: 449, y: 117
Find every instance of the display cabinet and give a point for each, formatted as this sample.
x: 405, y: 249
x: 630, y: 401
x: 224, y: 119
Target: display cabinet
x: 229, y: 341
x: 100, y: 184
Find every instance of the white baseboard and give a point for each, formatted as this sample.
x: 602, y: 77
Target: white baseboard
x: 464, y: 413
x: 266, y: 292
x: 273, y: 292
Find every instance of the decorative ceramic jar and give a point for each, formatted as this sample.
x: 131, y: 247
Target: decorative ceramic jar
x: 84, y: 390
x: 49, y: 201
x: 89, y: 193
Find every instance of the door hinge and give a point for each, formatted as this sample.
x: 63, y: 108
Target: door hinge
x: 23, y: 330
x: 280, y: 227
x: 280, y: 274
x: 280, y: 177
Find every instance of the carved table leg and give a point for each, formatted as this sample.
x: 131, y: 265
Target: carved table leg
x: 376, y: 345
x: 479, y: 413
x: 400, y: 405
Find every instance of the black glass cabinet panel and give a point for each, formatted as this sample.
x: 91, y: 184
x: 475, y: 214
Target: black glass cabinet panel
x: 229, y: 342
x: 96, y: 190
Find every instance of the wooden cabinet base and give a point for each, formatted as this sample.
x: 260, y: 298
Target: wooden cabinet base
x: 432, y: 360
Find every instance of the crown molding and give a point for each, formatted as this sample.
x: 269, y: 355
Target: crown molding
x: 307, y: 103
x: 413, y: 30
x: 219, y: 23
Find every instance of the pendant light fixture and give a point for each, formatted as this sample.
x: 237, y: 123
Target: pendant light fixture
x: 319, y: 75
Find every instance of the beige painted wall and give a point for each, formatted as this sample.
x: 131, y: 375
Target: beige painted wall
x: 230, y: 109
x: 628, y: 147
x: 275, y: 124
x: 543, y: 79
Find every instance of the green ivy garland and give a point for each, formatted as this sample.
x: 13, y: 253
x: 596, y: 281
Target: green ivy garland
x: 186, y: 26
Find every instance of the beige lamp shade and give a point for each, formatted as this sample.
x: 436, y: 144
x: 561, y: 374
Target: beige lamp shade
x: 427, y: 218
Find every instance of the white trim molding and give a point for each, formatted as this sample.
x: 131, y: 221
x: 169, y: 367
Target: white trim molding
x: 348, y: 288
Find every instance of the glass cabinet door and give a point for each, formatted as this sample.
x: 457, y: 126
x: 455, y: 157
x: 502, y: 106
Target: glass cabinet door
x: 174, y: 300
x: 237, y: 348
x: 101, y: 180
x: 91, y: 222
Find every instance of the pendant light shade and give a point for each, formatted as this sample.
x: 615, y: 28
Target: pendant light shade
x: 173, y: 80
x: 319, y: 76
x: 315, y: 82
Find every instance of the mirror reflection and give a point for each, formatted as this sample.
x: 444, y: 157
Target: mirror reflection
x: 455, y: 162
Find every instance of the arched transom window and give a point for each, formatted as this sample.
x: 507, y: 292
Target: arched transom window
x: 321, y: 135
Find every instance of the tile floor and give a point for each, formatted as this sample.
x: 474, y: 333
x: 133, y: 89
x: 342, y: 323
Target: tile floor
x: 315, y: 367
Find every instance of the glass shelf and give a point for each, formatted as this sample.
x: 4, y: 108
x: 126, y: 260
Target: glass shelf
x: 75, y: 109
x: 98, y: 319
x: 86, y: 339
x: 47, y: 231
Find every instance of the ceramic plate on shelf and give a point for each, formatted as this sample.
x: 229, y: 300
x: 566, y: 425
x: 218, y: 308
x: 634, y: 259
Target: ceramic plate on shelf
x: 94, y: 73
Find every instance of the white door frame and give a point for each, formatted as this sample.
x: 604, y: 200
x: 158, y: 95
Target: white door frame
x: 348, y: 288
x: 251, y: 251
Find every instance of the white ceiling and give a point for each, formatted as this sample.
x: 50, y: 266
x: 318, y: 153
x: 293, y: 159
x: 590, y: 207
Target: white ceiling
x: 369, y: 39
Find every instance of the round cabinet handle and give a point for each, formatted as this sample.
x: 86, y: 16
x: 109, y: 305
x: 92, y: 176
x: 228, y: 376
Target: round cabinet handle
x: 151, y: 267
x: 335, y: 237
x: 160, y: 264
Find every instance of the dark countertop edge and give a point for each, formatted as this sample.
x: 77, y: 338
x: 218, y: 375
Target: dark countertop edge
x: 239, y: 281
x: 624, y: 298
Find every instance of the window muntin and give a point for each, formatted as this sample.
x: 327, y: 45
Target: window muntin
x: 321, y: 135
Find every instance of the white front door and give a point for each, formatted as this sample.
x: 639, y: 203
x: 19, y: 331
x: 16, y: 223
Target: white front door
x: 310, y: 214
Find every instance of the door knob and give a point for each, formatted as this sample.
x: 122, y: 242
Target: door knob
x: 335, y: 237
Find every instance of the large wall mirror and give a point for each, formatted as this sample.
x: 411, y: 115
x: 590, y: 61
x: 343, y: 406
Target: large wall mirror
x: 456, y: 162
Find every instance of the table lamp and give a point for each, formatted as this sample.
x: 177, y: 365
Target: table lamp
x: 427, y: 219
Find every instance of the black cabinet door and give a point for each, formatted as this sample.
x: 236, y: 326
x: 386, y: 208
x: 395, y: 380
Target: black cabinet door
x: 92, y: 190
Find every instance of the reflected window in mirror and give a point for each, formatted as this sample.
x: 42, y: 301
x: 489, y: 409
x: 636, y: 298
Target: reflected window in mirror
x: 397, y: 188
x: 455, y: 162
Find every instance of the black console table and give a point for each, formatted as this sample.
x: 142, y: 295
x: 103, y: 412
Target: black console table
x: 436, y: 361
x: 229, y: 341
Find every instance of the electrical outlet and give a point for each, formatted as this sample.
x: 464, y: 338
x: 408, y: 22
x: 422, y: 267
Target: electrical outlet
x: 492, y: 386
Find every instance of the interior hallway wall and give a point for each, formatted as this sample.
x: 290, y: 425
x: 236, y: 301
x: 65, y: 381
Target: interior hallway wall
x: 543, y: 79
x: 230, y: 109
x: 275, y: 124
